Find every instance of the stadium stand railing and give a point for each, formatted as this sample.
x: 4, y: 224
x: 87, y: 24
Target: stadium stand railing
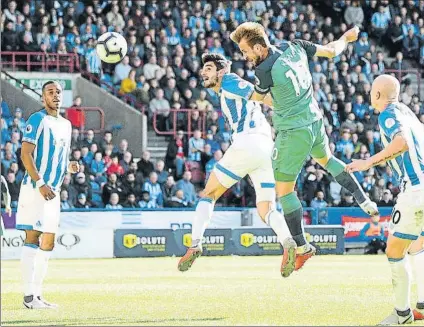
x: 174, y: 120
x: 78, y: 117
x: 64, y: 63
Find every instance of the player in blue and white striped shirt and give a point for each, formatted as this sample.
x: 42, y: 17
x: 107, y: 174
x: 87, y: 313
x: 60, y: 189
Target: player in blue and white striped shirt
x: 402, y: 135
x: 249, y: 154
x: 45, y: 155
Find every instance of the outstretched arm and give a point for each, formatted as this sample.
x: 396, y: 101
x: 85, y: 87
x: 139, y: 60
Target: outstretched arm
x: 393, y: 149
x: 335, y: 48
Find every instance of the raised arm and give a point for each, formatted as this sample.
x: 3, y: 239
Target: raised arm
x: 335, y: 48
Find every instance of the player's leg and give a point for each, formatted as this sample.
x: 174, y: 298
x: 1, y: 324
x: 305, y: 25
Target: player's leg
x: 49, y: 226
x: 417, y: 254
x: 27, y: 219
x: 322, y: 154
x: 405, y: 227
x: 263, y: 181
x: 225, y: 174
x: 290, y: 152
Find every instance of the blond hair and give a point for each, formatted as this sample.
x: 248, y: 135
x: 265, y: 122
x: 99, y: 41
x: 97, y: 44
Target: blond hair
x: 252, y: 33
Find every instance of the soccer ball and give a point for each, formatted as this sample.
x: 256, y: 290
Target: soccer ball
x: 111, y: 47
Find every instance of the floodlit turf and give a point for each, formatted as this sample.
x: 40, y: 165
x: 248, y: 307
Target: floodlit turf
x: 331, y: 290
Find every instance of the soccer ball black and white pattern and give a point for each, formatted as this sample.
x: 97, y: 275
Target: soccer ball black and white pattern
x: 111, y: 47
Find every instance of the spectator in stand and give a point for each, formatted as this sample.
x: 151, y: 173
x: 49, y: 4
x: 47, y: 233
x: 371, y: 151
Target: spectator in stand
x: 177, y: 201
x: 362, y: 46
x: 196, y: 146
x: 122, y: 70
x: 131, y: 202
x: 386, y: 200
x: 122, y: 149
x: 150, y: 69
x: 128, y: 84
x: 168, y: 188
x: 153, y: 187
x: 82, y: 202
x: 145, y: 201
x: 131, y: 186
x: 399, y: 63
x: 126, y: 161
x: 319, y: 203
x: 86, y: 156
x: 14, y: 189
x: 372, y: 145
x: 9, y: 38
x: 115, y: 167
x: 89, y: 139
x: 175, y: 154
x: 145, y: 166
x: 160, y: 106
x: 114, y: 202
x: 112, y: 186
x: 65, y: 204
x: 107, y: 141
x: 19, y: 174
x: 354, y: 15
x: 379, y: 22
x: 81, y: 185
x: 411, y: 45
x: 395, y: 35
x: 161, y: 172
x: 115, y: 18
x: 188, y: 188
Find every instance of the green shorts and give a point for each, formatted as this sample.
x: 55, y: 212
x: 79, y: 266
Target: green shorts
x: 292, y: 148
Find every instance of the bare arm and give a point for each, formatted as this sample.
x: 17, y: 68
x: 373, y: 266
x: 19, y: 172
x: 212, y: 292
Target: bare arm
x: 335, y: 48
x: 393, y: 149
x: 396, y: 147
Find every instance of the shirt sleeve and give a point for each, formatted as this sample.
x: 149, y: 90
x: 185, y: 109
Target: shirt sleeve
x: 389, y: 124
x: 263, y: 81
x: 308, y: 46
x: 31, y: 129
x: 239, y: 87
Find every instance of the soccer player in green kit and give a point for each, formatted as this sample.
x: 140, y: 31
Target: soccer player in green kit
x: 283, y: 79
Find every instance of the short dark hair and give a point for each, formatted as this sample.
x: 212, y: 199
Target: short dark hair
x: 217, y: 58
x: 47, y: 84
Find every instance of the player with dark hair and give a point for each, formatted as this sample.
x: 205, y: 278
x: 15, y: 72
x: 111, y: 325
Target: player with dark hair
x: 249, y: 154
x: 45, y: 156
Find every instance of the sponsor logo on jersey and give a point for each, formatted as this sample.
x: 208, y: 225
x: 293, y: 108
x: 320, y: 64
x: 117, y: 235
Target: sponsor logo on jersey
x: 28, y: 129
x: 68, y: 240
x: 389, y: 123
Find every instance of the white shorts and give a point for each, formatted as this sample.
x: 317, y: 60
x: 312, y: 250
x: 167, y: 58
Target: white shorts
x: 36, y: 213
x: 407, y: 219
x: 250, y: 154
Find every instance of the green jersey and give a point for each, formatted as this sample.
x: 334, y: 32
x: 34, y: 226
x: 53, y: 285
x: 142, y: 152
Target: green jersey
x: 285, y: 73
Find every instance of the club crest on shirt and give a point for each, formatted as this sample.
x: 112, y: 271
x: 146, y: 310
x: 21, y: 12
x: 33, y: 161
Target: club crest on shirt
x: 28, y: 129
x: 389, y: 123
x: 242, y: 84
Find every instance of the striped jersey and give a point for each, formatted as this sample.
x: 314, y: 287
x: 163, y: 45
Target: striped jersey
x: 244, y: 116
x: 52, y: 139
x: 409, y: 166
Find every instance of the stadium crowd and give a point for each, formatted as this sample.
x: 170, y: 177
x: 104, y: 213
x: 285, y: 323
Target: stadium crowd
x: 161, y: 71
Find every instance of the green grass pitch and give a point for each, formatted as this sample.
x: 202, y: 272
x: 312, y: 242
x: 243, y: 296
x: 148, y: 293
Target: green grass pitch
x: 331, y: 290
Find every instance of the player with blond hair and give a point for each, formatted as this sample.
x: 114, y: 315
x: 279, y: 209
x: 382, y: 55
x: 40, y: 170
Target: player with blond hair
x: 283, y: 74
x: 402, y: 135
